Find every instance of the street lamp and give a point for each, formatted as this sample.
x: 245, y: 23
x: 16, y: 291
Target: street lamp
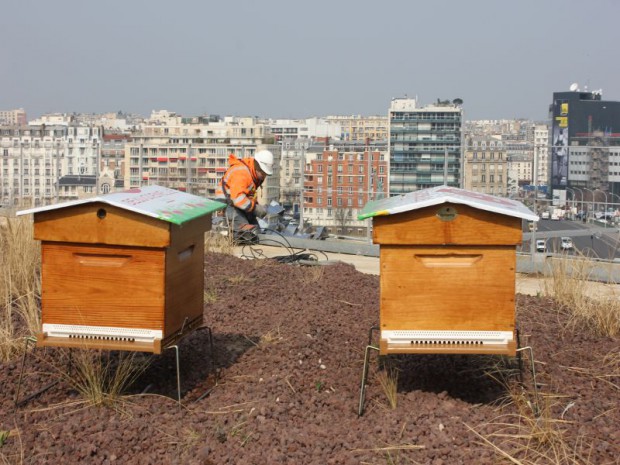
x: 572, y: 198
x: 581, y: 195
x: 605, y: 215
x: 592, y: 198
x: 612, y: 199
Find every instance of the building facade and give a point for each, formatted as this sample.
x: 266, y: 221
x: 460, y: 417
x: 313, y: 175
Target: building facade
x: 486, y: 165
x: 585, y: 137
x: 292, y: 166
x: 191, y: 154
x: 361, y: 129
x: 424, y: 145
x: 340, y: 179
x: 45, y: 164
x: 541, y: 154
x: 13, y: 117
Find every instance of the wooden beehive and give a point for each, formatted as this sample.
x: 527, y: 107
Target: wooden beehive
x: 122, y: 271
x: 447, y: 271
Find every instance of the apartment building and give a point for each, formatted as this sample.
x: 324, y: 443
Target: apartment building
x: 292, y: 165
x: 340, y: 178
x: 486, y: 165
x: 13, y: 117
x: 31, y: 163
x: 541, y: 154
x: 191, y: 154
x: 44, y: 164
x: 309, y: 128
x: 520, y: 169
x: 424, y: 144
x: 112, y: 162
x: 361, y: 129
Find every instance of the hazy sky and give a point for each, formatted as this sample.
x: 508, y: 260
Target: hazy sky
x: 288, y: 58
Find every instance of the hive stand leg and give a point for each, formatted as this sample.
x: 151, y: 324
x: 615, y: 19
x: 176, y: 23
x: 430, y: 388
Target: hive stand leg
x: 176, y: 351
x: 360, y: 410
x: 211, y: 346
x: 213, y: 364
x: 370, y: 333
x: 18, y: 401
x: 534, y: 381
x: 27, y: 341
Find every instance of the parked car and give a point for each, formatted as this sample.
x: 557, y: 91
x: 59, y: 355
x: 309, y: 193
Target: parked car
x: 566, y: 243
x: 545, y: 215
x: 541, y: 245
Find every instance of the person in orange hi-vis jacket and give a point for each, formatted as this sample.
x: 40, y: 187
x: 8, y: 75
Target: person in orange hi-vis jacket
x: 238, y: 187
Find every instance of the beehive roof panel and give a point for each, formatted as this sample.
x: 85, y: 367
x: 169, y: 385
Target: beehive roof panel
x: 158, y: 202
x: 445, y: 194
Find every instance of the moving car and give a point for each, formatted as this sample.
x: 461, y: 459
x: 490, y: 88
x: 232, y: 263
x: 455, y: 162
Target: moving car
x: 566, y: 243
x: 541, y: 245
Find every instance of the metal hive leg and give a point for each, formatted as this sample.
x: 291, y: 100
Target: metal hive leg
x: 176, y: 351
x: 17, y: 400
x: 27, y: 341
x: 360, y: 410
x: 211, y: 347
x: 370, y: 333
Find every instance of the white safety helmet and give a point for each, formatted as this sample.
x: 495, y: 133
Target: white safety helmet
x: 265, y: 161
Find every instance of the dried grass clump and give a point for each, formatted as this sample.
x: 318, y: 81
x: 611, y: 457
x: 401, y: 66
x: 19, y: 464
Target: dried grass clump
x: 569, y: 285
x: 388, y: 380
x: 525, y: 438
x: 311, y: 275
x: 20, y: 284
x: 219, y: 242
x: 101, y: 377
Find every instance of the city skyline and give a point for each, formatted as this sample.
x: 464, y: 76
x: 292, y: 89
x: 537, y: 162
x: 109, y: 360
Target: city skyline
x: 276, y: 59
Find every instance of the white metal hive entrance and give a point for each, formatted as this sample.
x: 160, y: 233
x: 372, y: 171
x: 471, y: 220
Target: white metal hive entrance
x: 465, y: 338
x: 106, y: 333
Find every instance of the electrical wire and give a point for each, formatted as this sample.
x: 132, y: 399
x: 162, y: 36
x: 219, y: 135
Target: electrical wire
x: 251, y: 251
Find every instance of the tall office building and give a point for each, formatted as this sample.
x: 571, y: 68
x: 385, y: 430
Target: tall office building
x: 585, y: 144
x: 424, y: 145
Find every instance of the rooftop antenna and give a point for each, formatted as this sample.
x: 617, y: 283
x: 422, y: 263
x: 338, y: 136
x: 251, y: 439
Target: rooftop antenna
x: 574, y: 87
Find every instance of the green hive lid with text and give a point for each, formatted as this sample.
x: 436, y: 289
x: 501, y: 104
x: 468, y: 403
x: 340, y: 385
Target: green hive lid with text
x: 445, y: 194
x: 158, y: 202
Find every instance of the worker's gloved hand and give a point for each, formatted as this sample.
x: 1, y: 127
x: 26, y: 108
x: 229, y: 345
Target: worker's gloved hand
x: 260, y: 211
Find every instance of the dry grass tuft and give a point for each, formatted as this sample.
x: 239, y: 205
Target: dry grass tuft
x: 272, y: 336
x: 15, y: 457
x: 219, y: 243
x: 100, y: 377
x: 388, y: 380
x: 608, y: 372
x: 20, y: 285
x: 238, y: 279
x: 527, y: 439
x: 311, y: 275
x: 210, y: 296
x: 568, y: 286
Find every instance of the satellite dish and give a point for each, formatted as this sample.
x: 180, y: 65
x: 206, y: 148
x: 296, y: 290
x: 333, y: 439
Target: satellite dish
x: 574, y: 87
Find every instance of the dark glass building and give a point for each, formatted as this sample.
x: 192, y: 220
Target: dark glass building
x: 585, y: 143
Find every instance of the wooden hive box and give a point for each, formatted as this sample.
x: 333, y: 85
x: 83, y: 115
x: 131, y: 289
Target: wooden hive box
x: 122, y: 271
x: 447, y: 271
